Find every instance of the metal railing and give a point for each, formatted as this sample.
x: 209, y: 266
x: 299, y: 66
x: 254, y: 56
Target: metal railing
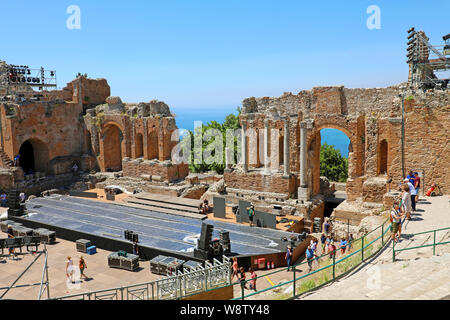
x: 213, y: 276
x: 434, y: 244
x: 328, y: 267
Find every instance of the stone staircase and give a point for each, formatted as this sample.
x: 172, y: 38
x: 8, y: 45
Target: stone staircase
x: 422, y: 278
x: 416, y: 274
x: 5, y: 161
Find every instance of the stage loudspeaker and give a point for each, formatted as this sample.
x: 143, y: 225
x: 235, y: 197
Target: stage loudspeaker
x: 225, y: 242
x: 205, y: 236
x: 203, y: 254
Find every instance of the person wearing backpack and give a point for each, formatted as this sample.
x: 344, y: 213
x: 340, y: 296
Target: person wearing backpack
x: 251, y: 214
x: 396, y: 217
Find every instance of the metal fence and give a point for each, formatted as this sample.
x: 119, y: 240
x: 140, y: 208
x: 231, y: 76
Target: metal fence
x: 326, y: 268
x: 434, y: 244
x: 211, y: 276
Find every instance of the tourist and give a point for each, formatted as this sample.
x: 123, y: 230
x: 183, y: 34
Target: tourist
x: 242, y: 277
x: 332, y: 249
x: 22, y: 197
x: 205, y: 206
x: 406, y: 200
x: 343, y: 245
x: 310, y: 255
x: 412, y: 192
x: 253, y: 276
x: 323, y: 240
x: 328, y: 242
x: 289, y: 257
x: 396, y: 218
x: 69, y: 269
x: 251, y: 214
x: 350, y: 242
x: 326, y: 227
x: 313, y: 245
x: 3, y: 199
x: 82, y: 265
x: 417, y: 185
x: 16, y: 160
x: 235, y: 269
x: 411, y: 177
x: 10, y: 234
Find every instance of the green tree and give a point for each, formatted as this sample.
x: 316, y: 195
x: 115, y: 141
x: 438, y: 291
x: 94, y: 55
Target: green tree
x: 231, y: 122
x: 332, y: 164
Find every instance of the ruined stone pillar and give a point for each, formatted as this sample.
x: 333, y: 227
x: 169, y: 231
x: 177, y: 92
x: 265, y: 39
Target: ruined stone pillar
x: 303, y: 192
x: 228, y: 158
x: 287, y: 172
x: 266, y: 147
x: 244, y: 146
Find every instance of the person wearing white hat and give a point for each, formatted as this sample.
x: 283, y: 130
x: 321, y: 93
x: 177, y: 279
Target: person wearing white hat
x: 406, y: 201
x: 412, y: 192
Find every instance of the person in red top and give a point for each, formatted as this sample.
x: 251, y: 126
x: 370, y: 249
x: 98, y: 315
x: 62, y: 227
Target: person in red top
x: 235, y: 269
x: 332, y: 249
x: 417, y: 185
x: 253, y: 276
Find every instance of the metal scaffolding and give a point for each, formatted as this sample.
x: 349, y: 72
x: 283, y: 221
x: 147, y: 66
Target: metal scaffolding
x: 44, y: 285
x: 427, y: 61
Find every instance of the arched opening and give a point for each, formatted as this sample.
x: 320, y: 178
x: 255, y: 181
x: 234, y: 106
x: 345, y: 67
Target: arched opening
x: 112, y: 149
x: 335, y: 152
x: 382, y: 157
x: 33, y: 156
x: 26, y: 160
x: 152, y: 145
x: 139, y: 143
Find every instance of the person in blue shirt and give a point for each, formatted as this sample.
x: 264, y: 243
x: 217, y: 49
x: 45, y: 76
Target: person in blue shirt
x: 323, y: 240
x: 343, y: 245
x: 411, y: 177
x: 310, y: 257
x: 289, y: 257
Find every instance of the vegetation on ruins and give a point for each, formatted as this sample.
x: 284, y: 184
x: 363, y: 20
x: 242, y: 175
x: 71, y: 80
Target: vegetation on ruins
x: 231, y: 122
x: 332, y: 164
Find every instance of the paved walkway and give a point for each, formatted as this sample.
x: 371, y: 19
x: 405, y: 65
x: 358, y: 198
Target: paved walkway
x: 416, y: 274
x: 102, y: 277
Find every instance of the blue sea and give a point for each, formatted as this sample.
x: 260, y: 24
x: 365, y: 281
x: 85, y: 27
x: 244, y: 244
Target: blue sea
x: 185, y: 118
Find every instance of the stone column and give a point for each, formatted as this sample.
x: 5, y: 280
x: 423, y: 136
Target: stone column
x: 228, y: 158
x: 303, y: 193
x: 266, y: 147
x: 287, y: 172
x: 244, y: 147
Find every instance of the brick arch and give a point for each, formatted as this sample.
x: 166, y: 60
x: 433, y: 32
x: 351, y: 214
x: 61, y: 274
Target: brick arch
x: 342, y: 125
x: 112, y: 147
x: 38, y: 152
x: 108, y: 123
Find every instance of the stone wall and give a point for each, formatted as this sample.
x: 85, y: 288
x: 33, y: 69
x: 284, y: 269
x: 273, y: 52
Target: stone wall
x: 257, y: 181
x: 154, y: 169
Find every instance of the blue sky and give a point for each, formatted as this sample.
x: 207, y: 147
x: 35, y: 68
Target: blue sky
x: 212, y: 54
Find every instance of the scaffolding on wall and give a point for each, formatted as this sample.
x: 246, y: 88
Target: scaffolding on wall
x: 427, y: 61
x: 18, y: 79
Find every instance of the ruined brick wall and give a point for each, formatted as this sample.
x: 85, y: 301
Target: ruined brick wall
x: 258, y: 182
x: 371, y: 118
x: 165, y: 171
x: 138, y: 131
x: 53, y: 129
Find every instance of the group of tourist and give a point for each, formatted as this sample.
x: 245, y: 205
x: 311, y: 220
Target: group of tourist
x: 403, y: 209
x: 70, y: 269
x: 239, y: 273
x: 4, y: 199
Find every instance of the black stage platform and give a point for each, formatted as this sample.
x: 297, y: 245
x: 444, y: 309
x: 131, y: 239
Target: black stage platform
x: 159, y: 233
